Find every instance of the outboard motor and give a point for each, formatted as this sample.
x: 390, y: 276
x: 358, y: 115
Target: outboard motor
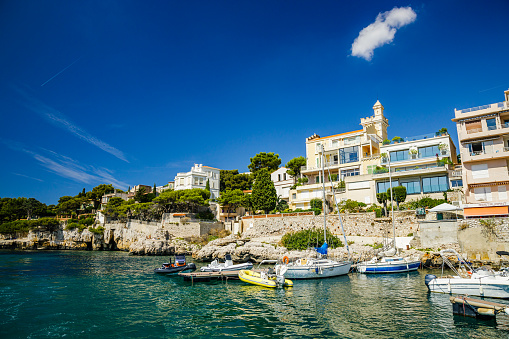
x: 280, y: 280
x: 428, y: 278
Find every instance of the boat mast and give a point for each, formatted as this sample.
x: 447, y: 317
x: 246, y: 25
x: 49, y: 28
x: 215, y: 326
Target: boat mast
x: 392, y: 205
x: 323, y: 185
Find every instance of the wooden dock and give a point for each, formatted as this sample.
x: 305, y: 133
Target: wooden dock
x: 208, y: 276
x: 471, y: 307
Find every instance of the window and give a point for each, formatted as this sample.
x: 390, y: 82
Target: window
x: 412, y: 186
x: 350, y: 173
x: 473, y: 126
x: 399, y: 155
x: 475, y: 148
x: 456, y: 183
x: 480, y: 171
x: 492, y: 124
x: 349, y: 154
x: 434, y: 184
x: 482, y: 193
x: 279, y: 177
x: 429, y: 151
x: 502, y: 193
x: 353, y: 140
x: 294, y: 196
x: 382, y: 187
x: 334, y: 143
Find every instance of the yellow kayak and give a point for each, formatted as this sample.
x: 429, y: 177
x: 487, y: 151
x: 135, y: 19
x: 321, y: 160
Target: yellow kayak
x: 262, y: 279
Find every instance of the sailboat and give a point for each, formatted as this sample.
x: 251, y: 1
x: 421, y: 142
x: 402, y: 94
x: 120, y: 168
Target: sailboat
x: 319, y: 266
x: 387, y: 261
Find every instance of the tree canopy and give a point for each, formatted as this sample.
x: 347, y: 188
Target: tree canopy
x: 294, y: 166
x: 264, y: 196
x: 232, y: 180
x: 398, y: 194
x: 269, y: 161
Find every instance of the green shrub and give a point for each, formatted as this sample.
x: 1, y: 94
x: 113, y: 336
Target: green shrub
x: 71, y: 226
x: 50, y: 224
x: 205, y: 215
x: 97, y: 230
x: 304, y: 239
x: 378, y: 212
x: 317, y: 211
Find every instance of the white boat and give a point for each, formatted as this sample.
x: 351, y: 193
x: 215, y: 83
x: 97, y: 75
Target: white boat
x: 386, y: 261
x: 482, y: 282
x: 321, y: 266
x: 216, y: 266
x: 310, y: 268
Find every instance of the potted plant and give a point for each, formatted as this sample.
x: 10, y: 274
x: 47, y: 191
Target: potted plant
x: 443, y: 148
x: 386, y: 142
x: 442, y: 131
x: 413, y: 152
x: 397, y: 139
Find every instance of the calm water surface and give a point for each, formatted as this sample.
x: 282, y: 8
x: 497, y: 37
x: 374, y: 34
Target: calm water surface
x: 113, y: 295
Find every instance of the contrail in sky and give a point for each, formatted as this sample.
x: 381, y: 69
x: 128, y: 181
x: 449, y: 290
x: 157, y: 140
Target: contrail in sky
x: 53, y: 77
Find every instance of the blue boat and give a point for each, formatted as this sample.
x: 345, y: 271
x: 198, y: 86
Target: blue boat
x: 388, y: 265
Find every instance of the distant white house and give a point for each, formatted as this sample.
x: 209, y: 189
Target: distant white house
x: 282, y: 182
x: 197, y: 178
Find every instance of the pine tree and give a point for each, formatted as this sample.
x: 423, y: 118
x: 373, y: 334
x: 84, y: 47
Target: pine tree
x: 264, y: 196
x: 207, y: 185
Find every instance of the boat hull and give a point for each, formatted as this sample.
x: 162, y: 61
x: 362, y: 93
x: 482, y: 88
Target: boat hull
x: 388, y: 267
x: 256, y: 279
x: 171, y: 270
x: 485, y: 287
x: 222, y: 267
x: 318, y: 271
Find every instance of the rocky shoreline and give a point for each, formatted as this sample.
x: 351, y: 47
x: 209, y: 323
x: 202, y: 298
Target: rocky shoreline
x: 249, y: 247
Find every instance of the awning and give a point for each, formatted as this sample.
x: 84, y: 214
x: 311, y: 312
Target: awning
x: 445, y: 207
x: 484, y: 211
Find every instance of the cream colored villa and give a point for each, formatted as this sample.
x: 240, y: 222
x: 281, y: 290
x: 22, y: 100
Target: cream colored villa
x: 350, y: 156
x: 483, y: 134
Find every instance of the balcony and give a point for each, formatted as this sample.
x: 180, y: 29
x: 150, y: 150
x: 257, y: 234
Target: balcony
x: 409, y: 171
x: 498, y: 105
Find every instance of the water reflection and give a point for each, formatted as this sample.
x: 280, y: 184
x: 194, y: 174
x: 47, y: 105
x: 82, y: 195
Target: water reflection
x: 112, y: 294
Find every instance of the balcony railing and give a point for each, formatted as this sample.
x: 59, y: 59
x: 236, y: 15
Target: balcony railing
x: 478, y: 108
x: 456, y: 173
x: 384, y: 170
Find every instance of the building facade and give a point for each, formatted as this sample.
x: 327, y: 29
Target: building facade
x: 197, y: 178
x: 424, y: 165
x: 282, y: 182
x: 483, y: 134
x: 349, y: 157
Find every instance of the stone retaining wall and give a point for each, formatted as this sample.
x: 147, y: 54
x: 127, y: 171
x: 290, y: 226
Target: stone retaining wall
x: 355, y: 224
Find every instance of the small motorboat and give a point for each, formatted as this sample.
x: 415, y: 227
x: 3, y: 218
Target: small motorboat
x: 270, y: 278
x: 228, y: 265
x: 481, y: 282
x: 178, y: 266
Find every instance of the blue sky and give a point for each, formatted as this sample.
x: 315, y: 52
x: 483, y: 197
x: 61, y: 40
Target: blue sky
x: 132, y: 92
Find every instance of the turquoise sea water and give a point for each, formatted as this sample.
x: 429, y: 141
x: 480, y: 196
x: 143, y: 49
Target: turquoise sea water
x: 113, y: 295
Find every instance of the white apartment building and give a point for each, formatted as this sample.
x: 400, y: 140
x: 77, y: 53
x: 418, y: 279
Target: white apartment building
x: 424, y: 165
x: 197, y: 178
x: 282, y: 182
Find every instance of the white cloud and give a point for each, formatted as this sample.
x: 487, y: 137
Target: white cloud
x: 58, y: 119
x: 381, y: 31
x: 67, y: 167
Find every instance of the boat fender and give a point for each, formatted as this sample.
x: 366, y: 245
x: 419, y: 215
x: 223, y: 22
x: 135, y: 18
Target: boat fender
x: 286, y: 260
x: 428, y: 278
x: 486, y: 311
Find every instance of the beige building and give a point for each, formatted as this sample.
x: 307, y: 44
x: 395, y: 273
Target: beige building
x: 349, y: 156
x: 483, y: 134
x: 424, y: 165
